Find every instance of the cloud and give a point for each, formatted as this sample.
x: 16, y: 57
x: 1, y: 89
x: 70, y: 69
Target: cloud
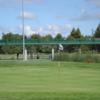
x: 95, y: 2
x: 15, y: 3
x: 83, y: 11
x: 36, y: 1
x: 6, y: 29
x: 60, y: 17
x: 28, y: 15
x: 86, y: 16
x: 54, y: 29
x: 29, y: 30
x: 8, y: 3
x: 49, y: 29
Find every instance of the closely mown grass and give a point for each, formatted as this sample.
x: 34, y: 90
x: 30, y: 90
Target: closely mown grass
x: 46, y: 80
x: 48, y: 96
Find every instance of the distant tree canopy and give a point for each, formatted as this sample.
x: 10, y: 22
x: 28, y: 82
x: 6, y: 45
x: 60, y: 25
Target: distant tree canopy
x: 10, y: 37
x: 74, y: 34
x: 97, y: 35
x: 97, y: 32
x: 58, y: 37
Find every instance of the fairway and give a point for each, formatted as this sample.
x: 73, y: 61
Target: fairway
x: 47, y: 80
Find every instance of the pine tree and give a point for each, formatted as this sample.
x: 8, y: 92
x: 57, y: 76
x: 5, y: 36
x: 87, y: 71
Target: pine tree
x: 97, y: 32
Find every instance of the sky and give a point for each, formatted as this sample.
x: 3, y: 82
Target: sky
x: 49, y: 16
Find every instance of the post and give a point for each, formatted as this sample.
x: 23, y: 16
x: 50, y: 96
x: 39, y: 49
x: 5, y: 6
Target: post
x: 23, y: 30
x: 25, y: 55
x: 52, y: 53
x: 80, y: 51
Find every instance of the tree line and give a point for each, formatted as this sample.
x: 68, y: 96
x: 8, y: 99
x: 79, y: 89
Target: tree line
x: 74, y: 34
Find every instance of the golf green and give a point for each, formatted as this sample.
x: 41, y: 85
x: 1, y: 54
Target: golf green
x: 47, y: 80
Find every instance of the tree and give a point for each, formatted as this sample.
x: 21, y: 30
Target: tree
x: 75, y: 34
x: 58, y: 37
x: 36, y: 37
x: 71, y: 36
x: 97, y: 35
x: 47, y: 48
x: 97, y: 32
x: 48, y: 37
x: 36, y: 48
x: 11, y: 49
x: 78, y: 34
x: 8, y: 37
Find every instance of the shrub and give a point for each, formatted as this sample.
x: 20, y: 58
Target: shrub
x: 76, y: 57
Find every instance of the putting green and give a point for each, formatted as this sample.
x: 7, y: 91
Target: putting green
x: 46, y: 80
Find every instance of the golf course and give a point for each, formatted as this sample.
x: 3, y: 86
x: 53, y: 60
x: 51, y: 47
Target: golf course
x: 49, y: 80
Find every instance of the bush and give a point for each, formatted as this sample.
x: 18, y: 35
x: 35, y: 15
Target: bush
x: 76, y: 57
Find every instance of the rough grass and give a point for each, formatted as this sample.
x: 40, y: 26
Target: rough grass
x: 46, y: 80
x: 77, y: 57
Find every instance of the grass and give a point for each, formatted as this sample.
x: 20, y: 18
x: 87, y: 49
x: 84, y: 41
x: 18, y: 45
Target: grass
x: 46, y: 80
x: 14, y: 56
x: 77, y: 57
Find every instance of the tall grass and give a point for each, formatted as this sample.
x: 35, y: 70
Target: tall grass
x: 77, y: 57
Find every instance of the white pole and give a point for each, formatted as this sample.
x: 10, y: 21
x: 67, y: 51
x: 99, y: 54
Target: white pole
x: 52, y: 53
x: 25, y: 55
x: 23, y: 30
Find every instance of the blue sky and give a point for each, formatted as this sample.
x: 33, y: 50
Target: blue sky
x: 49, y: 16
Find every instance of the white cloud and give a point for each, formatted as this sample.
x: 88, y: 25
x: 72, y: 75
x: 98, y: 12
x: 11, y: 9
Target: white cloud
x: 15, y: 3
x: 4, y: 29
x: 50, y: 29
x: 36, y: 1
x: 27, y: 29
x: 95, y: 2
x: 55, y: 28
x: 85, y: 16
x: 83, y: 11
x: 88, y: 16
x: 28, y: 15
x: 59, y: 28
x: 8, y: 3
x: 60, y: 17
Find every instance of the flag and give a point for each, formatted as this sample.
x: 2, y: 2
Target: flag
x: 61, y: 47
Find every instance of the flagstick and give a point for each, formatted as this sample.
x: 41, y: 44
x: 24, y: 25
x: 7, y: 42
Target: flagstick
x: 59, y: 62
x: 59, y: 52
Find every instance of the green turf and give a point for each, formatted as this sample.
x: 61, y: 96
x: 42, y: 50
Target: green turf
x: 46, y: 80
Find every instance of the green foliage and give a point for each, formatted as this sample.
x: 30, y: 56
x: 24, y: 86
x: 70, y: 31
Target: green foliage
x: 36, y: 36
x: 74, y: 35
x: 11, y: 37
x: 58, y: 37
x: 97, y: 35
x: 47, y: 37
x: 6, y: 49
x: 97, y: 32
x: 85, y: 48
x: 77, y: 57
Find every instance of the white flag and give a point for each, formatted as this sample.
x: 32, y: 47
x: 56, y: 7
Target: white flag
x: 61, y: 47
